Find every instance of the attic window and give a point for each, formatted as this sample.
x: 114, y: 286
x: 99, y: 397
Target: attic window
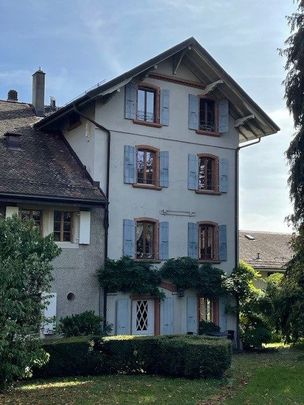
x: 250, y: 237
x: 13, y: 141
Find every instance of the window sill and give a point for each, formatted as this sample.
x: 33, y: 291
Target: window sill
x: 211, y: 192
x: 67, y: 245
x: 147, y: 186
x: 148, y: 124
x: 148, y: 260
x: 208, y: 133
x: 210, y: 261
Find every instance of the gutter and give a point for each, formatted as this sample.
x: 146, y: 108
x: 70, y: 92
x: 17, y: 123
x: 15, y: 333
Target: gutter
x: 106, y: 218
x: 236, y: 202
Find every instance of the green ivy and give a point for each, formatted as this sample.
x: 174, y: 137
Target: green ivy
x: 127, y: 275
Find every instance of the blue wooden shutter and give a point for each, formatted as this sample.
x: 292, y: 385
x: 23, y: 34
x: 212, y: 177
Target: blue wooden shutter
x: 129, y: 164
x: 164, y: 169
x: 128, y: 237
x: 192, y: 172
x: 123, y: 317
x: 192, y: 240
x: 164, y: 106
x: 166, y: 316
x: 164, y: 240
x: 223, y: 242
x: 193, y: 114
x: 223, y: 107
x: 192, y: 314
x: 130, y: 101
x: 224, y: 169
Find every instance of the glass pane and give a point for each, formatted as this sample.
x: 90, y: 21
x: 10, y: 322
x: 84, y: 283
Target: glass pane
x: 206, y: 242
x: 57, y: 215
x: 150, y: 106
x: 57, y: 236
x: 139, y: 240
x: 209, y: 173
x: 66, y: 236
x: 149, y: 167
x: 25, y: 214
x: 141, y: 104
x: 149, y: 241
x: 140, y: 166
x: 202, y: 174
x: 141, y: 315
x: 207, y: 115
x: 57, y: 226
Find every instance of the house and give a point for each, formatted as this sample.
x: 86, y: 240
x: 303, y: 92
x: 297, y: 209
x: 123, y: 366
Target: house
x: 162, y: 140
x: 42, y: 179
x: 266, y: 252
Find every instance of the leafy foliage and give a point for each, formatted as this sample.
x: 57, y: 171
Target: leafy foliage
x: 185, y: 273
x: 186, y: 356
x: 84, y: 324
x: 25, y: 272
x: 127, y: 275
x: 207, y: 327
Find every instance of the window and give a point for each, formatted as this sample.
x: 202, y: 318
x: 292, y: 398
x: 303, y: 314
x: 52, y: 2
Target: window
x: 207, y: 115
x: 63, y: 226
x: 32, y: 215
x: 207, y: 241
x: 208, y: 310
x: 146, y: 104
x: 146, y: 165
x: 208, y: 173
x: 145, y: 239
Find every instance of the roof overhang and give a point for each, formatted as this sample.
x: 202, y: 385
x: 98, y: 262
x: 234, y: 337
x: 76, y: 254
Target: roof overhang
x: 250, y: 120
x: 46, y: 200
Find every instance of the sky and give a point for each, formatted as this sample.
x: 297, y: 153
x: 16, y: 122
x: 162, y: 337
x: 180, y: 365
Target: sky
x: 80, y: 43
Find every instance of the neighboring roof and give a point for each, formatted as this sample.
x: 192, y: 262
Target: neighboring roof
x: 44, y: 166
x: 206, y: 69
x: 265, y: 250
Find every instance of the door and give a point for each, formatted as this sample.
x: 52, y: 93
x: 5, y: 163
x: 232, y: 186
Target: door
x: 143, y: 317
x: 166, y: 316
x: 191, y: 314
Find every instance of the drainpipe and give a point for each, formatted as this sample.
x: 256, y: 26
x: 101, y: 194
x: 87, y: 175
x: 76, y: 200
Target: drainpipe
x: 238, y: 342
x: 106, y: 218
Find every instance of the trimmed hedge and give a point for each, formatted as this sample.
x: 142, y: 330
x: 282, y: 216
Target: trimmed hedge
x: 179, y: 356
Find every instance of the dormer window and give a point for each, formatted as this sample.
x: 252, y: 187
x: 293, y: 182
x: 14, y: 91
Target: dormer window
x: 13, y: 140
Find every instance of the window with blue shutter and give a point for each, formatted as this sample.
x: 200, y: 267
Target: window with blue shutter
x: 193, y: 113
x: 130, y: 101
x: 222, y: 242
x: 164, y: 106
x: 224, y: 169
x: 223, y: 109
x: 128, y: 238
x: 193, y: 240
x: 192, y: 172
x: 164, y: 169
x: 164, y: 240
x: 129, y: 164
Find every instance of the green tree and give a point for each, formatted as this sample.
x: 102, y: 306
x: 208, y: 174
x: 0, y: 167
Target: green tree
x: 292, y: 298
x: 25, y: 273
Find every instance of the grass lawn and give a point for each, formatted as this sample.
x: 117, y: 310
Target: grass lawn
x: 266, y: 378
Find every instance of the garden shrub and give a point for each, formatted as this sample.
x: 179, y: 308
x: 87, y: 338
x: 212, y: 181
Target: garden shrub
x: 206, y: 327
x: 180, y: 356
x: 84, y: 324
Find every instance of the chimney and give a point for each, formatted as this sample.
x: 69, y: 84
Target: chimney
x: 12, y: 95
x: 38, y: 92
x: 53, y: 103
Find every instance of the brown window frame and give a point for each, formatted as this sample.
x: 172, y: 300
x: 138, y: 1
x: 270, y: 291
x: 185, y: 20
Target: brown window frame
x: 215, y: 242
x: 61, y: 237
x: 214, y: 174
x: 214, y: 309
x: 155, y: 223
x: 147, y: 87
x: 31, y: 210
x: 155, y: 184
x: 216, y: 117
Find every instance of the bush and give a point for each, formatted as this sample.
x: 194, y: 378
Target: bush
x: 180, y: 356
x: 207, y: 327
x: 84, y: 324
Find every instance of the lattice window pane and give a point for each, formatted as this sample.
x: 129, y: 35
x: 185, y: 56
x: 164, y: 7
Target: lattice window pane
x: 142, y: 315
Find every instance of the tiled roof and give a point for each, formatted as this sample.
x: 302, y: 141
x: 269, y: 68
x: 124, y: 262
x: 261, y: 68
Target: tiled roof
x: 265, y: 250
x: 44, y: 166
